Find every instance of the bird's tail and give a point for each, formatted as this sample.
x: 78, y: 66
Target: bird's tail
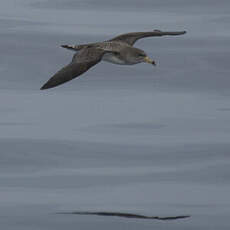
x: 72, y: 47
x: 78, y: 47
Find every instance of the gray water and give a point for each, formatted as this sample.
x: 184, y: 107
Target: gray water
x: 139, y: 139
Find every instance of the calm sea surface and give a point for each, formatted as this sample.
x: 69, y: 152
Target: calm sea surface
x: 139, y: 139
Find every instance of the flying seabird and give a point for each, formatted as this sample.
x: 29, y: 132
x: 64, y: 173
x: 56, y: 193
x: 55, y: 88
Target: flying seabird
x: 118, y: 50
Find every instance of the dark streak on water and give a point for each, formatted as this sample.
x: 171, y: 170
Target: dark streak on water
x: 126, y: 215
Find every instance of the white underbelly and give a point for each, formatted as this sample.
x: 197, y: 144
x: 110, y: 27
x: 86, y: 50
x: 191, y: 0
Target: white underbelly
x: 108, y: 57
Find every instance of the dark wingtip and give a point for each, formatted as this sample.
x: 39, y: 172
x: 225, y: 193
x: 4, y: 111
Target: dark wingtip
x: 180, y: 32
x: 177, y: 33
x: 44, y: 87
x: 64, y: 46
x: 172, y: 33
x: 47, y: 85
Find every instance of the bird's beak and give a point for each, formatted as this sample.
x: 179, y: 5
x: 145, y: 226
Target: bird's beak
x: 149, y: 60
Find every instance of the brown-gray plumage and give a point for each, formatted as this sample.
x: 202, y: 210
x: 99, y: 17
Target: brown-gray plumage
x: 118, y: 50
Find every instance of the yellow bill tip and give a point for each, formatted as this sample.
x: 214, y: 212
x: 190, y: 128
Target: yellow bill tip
x: 149, y: 60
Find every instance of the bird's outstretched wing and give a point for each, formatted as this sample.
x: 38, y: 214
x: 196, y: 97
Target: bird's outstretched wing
x: 81, y: 62
x: 131, y: 38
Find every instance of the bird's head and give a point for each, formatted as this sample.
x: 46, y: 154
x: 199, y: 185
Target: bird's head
x: 141, y: 56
